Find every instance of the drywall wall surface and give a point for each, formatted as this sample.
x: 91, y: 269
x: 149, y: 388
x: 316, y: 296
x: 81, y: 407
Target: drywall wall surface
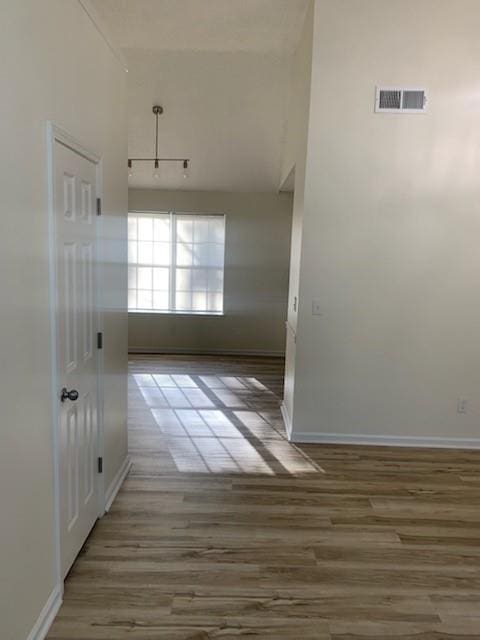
x: 295, y: 152
x: 391, y: 222
x: 298, y: 99
x: 257, y: 248
x: 58, y: 69
x: 294, y: 159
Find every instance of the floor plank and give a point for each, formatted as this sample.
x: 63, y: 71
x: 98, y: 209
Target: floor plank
x: 224, y: 529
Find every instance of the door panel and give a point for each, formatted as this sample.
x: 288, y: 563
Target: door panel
x: 72, y: 466
x: 75, y: 192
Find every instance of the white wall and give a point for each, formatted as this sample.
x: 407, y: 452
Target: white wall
x: 256, y: 275
x: 294, y: 159
x: 224, y: 110
x: 55, y: 67
x: 391, y: 225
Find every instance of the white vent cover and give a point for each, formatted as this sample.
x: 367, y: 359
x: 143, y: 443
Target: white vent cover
x: 400, y: 100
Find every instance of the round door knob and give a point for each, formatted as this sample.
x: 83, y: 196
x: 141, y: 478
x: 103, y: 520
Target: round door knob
x: 65, y: 394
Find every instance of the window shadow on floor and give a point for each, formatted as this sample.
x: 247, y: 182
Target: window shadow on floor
x: 215, y: 424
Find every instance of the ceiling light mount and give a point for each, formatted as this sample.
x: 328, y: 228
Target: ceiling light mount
x: 157, y: 111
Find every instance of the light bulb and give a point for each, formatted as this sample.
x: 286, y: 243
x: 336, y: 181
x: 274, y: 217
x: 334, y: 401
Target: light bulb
x: 130, y: 169
x: 156, y: 172
x: 185, y: 169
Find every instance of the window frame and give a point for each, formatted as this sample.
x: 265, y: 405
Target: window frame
x: 172, y: 213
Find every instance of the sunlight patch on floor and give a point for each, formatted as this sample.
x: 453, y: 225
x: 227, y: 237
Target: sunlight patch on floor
x: 210, y: 425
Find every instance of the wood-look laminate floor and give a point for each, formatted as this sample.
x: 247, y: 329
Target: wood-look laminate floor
x: 225, y: 530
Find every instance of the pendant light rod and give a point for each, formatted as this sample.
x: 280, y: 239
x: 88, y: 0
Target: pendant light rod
x: 158, y: 110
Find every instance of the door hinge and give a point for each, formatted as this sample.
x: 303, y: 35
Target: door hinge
x: 99, y: 206
x: 100, y: 465
x: 99, y: 340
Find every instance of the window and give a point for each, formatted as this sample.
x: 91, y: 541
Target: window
x: 175, y: 262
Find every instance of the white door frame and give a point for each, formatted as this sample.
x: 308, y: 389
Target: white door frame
x: 55, y: 134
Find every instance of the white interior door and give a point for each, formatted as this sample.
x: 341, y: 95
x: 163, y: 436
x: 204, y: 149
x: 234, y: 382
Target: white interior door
x: 75, y: 192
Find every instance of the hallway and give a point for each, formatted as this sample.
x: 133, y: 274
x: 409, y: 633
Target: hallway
x: 223, y: 529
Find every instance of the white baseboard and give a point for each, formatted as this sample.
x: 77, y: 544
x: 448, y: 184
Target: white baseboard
x: 286, y: 420
x: 116, y: 483
x: 385, y: 441
x: 47, y: 616
x: 206, y: 352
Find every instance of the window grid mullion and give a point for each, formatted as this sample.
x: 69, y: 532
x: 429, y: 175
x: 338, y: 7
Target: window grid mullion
x: 136, y: 266
x: 137, y: 269
x: 172, y: 298
x: 173, y: 260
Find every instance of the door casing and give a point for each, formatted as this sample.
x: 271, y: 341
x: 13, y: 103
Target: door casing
x: 56, y: 134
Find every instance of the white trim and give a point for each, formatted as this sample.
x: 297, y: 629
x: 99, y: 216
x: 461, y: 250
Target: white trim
x: 385, y: 441
x: 205, y: 352
x: 116, y: 483
x: 286, y: 420
x: 47, y: 616
x: 53, y: 303
x: 183, y: 314
x: 100, y: 328
x: 56, y: 134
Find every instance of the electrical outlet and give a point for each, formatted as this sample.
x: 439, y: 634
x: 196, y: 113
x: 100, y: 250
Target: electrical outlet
x: 462, y: 405
x: 316, y: 308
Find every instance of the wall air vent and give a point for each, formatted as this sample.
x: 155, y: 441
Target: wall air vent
x: 400, y: 100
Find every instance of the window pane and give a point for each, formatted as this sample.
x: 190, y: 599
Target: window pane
x: 183, y: 301
x: 132, y: 299
x: 184, y: 230
x: 161, y: 253
x: 201, y: 255
x: 208, y: 255
x: 216, y: 229
x: 215, y: 280
x: 132, y: 228
x: 199, y: 301
x: 200, y: 229
x: 199, y: 279
x: 145, y: 252
x: 132, y: 277
x: 144, y: 277
x: 216, y: 255
x: 184, y: 255
x: 145, y: 228
x: 144, y: 299
x: 160, y: 300
x: 161, y: 279
x: 215, y: 302
x: 184, y: 279
x: 132, y: 252
x: 161, y: 229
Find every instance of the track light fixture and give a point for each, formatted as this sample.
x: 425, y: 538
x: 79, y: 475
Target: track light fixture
x: 158, y: 110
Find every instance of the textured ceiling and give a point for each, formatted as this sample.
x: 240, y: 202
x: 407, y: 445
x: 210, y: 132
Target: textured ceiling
x: 225, y: 111
x: 267, y: 26
x: 220, y: 68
